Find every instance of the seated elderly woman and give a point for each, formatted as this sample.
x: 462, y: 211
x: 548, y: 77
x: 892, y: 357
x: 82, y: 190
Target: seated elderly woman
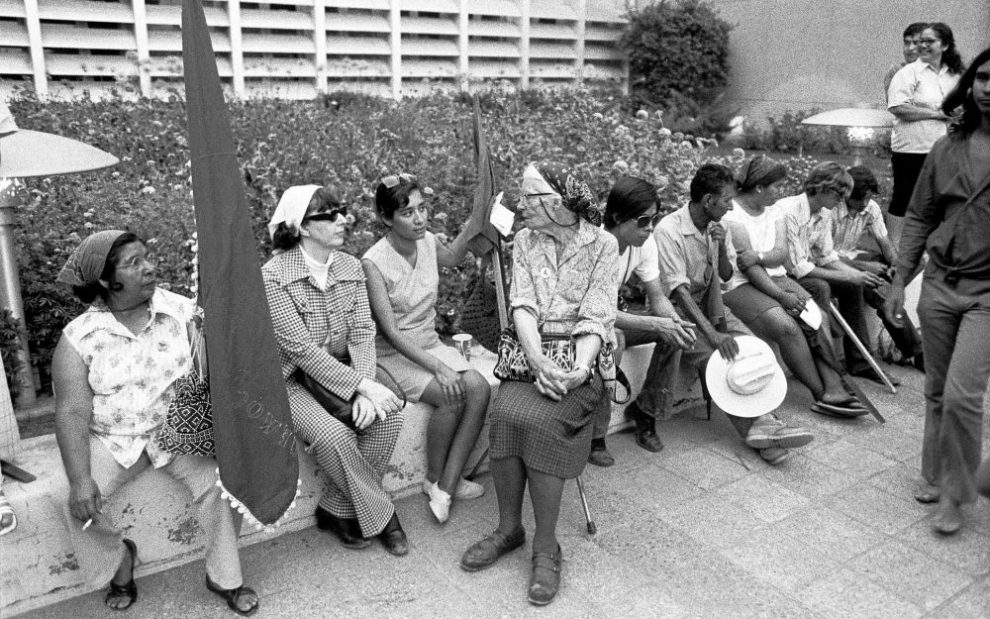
x: 325, y: 334
x: 403, y: 277
x: 563, y: 284
x: 107, y: 420
x: 770, y: 303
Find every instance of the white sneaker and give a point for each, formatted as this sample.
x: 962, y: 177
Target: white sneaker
x: 439, y: 503
x: 465, y: 489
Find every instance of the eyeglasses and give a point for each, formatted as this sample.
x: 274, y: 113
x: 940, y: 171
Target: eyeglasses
x: 331, y: 215
x: 394, y: 179
x: 646, y: 221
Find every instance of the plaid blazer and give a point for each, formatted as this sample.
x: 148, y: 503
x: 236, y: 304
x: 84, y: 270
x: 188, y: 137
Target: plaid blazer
x: 330, y: 335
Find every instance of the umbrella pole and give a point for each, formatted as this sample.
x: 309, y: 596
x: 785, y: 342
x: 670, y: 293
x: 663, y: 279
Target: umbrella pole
x: 10, y: 293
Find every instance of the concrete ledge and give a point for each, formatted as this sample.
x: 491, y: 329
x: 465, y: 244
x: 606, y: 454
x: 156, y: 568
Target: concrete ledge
x: 39, y: 566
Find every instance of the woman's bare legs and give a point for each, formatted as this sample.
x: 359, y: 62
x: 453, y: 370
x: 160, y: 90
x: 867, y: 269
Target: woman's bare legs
x: 453, y: 429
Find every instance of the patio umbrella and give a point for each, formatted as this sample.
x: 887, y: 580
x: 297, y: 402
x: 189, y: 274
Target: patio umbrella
x: 25, y: 154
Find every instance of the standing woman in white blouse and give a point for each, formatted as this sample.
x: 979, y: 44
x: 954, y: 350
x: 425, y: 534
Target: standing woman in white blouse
x: 915, y: 98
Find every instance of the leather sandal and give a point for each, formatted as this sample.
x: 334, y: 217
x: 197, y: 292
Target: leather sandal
x: 839, y: 411
x: 128, y: 591
x: 545, y: 579
x: 233, y: 596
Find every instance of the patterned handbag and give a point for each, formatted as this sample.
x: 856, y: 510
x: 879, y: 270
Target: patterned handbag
x: 479, y: 315
x: 188, y: 427
x: 513, y: 365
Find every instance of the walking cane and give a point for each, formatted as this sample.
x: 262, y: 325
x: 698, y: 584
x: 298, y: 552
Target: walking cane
x: 592, y: 527
x: 860, y: 346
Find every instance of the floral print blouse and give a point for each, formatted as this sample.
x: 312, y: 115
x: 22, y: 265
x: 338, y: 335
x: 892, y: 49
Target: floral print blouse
x: 575, y: 295
x: 132, y: 375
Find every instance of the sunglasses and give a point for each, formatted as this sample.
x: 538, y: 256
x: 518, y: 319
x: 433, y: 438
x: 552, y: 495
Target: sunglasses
x: 394, y: 179
x: 331, y: 215
x: 645, y: 221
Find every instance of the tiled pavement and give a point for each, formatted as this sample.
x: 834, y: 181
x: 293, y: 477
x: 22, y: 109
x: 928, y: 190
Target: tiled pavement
x: 702, y: 529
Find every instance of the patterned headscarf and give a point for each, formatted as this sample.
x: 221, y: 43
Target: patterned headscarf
x: 574, y: 193
x: 86, y: 264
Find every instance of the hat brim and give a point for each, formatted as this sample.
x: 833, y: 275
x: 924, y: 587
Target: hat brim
x: 812, y: 315
x: 754, y: 405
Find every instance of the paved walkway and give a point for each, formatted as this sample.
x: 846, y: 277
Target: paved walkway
x: 702, y: 529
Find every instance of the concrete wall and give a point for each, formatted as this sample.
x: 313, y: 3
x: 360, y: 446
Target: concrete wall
x: 802, y: 54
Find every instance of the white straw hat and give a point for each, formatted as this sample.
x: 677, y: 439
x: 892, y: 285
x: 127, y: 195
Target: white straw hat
x: 752, y: 384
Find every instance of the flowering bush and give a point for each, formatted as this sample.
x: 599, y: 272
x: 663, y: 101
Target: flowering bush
x: 345, y: 140
x: 786, y: 134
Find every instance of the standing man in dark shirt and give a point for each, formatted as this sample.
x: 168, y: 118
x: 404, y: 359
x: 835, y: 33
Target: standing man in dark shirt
x: 949, y: 215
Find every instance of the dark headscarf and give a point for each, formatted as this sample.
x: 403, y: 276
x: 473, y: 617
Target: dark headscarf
x: 575, y: 194
x: 759, y: 171
x: 86, y: 264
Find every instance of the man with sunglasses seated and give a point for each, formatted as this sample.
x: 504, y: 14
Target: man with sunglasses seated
x: 814, y: 263
x: 696, y: 255
x: 631, y: 214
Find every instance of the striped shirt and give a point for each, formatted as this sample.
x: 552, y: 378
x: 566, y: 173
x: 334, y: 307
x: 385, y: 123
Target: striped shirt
x: 809, y: 237
x: 849, y: 226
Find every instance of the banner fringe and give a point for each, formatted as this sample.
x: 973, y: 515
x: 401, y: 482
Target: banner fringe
x: 248, y: 516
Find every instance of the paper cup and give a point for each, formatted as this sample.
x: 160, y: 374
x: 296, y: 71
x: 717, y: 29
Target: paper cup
x: 463, y: 342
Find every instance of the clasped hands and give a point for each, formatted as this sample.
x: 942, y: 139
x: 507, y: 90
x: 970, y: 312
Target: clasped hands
x: 553, y: 381
x: 373, y: 401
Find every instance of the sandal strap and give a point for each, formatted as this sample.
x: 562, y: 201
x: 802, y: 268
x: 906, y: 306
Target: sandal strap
x: 546, y: 561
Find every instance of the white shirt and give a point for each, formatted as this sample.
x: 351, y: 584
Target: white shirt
x: 919, y: 84
x: 643, y: 261
x: 762, y: 233
x: 809, y: 237
x: 319, y: 270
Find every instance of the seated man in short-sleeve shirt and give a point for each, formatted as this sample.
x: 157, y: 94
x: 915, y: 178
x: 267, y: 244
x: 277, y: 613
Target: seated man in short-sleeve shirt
x: 630, y: 216
x: 696, y: 255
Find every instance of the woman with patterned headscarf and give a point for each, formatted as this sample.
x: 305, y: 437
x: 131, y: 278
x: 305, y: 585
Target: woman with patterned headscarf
x: 563, y: 283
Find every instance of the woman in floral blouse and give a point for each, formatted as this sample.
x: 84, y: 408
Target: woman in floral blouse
x: 563, y: 283
x: 113, y: 371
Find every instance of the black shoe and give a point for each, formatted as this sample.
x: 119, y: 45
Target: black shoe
x: 393, y: 538
x: 918, y: 361
x: 486, y: 552
x: 599, y: 455
x: 347, y: 530
x: 544, y: 581
x: 646, y: 433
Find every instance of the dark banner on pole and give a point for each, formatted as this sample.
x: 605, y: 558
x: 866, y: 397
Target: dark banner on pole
x: 254, y: 435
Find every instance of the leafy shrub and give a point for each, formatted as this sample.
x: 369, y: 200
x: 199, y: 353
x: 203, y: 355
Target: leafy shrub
x: 679, y: 59
x: 344, y: 140
x: 10, y: 347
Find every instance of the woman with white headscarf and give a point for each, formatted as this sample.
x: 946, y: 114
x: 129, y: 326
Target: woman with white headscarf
x: 564, y: 283
x: 326, y: 335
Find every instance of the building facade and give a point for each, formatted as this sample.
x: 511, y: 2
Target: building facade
x: 299, y: 48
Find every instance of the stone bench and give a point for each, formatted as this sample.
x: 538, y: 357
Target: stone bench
x: 39, y: 567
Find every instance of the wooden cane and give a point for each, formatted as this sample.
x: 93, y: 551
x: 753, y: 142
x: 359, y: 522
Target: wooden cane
x: 859, y: 346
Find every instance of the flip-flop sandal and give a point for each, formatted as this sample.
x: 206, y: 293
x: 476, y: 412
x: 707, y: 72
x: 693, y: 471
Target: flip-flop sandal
x: 7, y: 510
x: 233, y: 595
x: 841, y: 412
x: 127, y: 591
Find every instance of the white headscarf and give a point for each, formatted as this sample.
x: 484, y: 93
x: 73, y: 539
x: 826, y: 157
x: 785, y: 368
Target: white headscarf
x: 291, y: 209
